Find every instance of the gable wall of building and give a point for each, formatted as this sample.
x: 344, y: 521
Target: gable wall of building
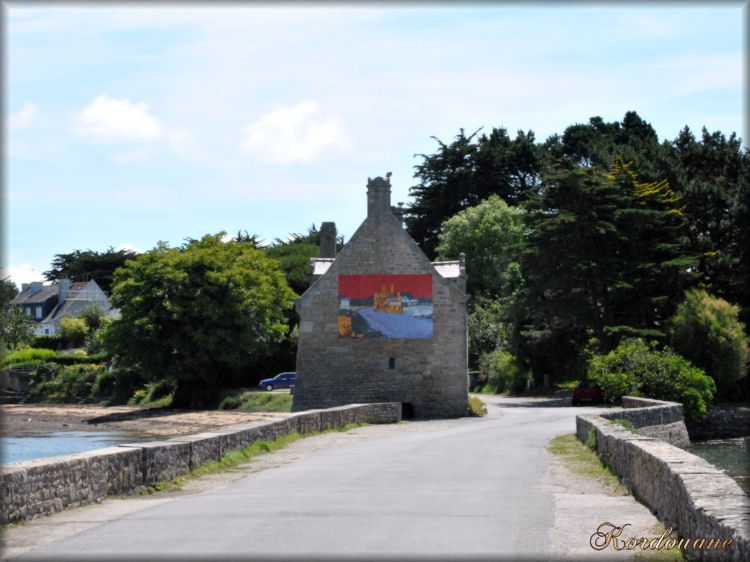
x: 428, y: 374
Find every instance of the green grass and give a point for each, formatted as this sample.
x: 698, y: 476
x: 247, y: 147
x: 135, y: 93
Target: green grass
x: 584, y: 462
x: 255, y: 401
x: 477, y: 408
x: 240, y: 456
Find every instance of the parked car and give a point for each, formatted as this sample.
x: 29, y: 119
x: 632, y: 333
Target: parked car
x: 282, y: 380
x: 587, y: 391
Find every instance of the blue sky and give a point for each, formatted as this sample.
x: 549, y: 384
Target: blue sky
x: 133, y: 123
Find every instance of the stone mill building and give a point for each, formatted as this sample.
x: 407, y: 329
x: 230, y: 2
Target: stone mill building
x: 381, y: 323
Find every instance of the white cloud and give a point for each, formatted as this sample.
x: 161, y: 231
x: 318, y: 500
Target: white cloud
x: 181, y: 141
x: 19, y: 274
x: 295, y: 134
x: 132, y: 156
x: 25, y: 116
x: 107, y: 121
x: 126, y: 246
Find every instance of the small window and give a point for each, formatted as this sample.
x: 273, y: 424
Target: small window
x: 391, y: 362
x: 28, y: 311
x: 38, y: 312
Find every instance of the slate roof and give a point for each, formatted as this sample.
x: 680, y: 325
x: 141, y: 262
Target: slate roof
x: 40, y: 297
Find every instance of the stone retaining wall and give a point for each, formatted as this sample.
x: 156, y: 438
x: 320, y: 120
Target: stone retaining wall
x: 721, y: 424
x: 45, y: 486
x: 684, y: 491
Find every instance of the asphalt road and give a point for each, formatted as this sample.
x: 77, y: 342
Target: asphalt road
x: 447, y: 488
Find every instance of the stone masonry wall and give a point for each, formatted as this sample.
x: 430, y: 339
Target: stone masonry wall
x: 428, y: 374
x: 45, y: 486
x: 686, y: 492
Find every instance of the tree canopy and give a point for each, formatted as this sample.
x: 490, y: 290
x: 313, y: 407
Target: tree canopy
x: 88, y: 264
x: 198, y: 315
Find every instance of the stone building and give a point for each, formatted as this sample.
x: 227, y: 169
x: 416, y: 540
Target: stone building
x: 381, y: 323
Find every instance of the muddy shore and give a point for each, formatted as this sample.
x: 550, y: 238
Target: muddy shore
x: 152, y: 421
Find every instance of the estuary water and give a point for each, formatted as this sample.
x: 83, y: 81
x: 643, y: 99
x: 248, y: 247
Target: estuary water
x: 29, y: 444
x: 730, y: 455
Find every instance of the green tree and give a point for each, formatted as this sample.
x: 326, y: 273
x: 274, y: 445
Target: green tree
x: 15, y: 326
x: 712, y: 175
x: 707, y: 331
x: 463, y: 173
x: 87, y: 265
x: 8, y: 291
x: 73, y: 330
x: 602, y: 260
x: 198, y: 315
x: 490, y: 235
x: 294, y: 255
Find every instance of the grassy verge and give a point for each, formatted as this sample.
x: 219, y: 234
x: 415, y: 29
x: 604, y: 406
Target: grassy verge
x: 584, y: 462
x: 254, y: 401
x: 240, y: 456
x: 581, y: 460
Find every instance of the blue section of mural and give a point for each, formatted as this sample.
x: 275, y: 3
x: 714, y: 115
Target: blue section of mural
x: 385, y: 306
x: 395, y: 325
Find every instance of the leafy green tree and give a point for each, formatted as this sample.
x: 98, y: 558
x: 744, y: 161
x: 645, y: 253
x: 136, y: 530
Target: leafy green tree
x: 463, y: 173
x: 597, y: 144
x: 198, y: 315
x: 8, y: 291
x: 73, y: 330
x: 602, y: 260
x: 490, y: 235
x: 707, y: 331
x: 712, y: 175
x: 15, y: 326
x: 487, y: 327
x: 86, y: 265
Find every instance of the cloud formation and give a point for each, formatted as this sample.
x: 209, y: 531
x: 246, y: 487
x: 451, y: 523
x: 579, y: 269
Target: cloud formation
x: 25, y: 116
x: 289, y: 135
x: 109, y: 121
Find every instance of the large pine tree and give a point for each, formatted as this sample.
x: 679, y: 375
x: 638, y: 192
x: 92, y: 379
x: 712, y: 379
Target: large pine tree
x: 603, y: 259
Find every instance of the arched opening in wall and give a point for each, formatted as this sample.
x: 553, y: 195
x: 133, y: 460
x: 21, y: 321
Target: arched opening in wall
x: 407, y: 411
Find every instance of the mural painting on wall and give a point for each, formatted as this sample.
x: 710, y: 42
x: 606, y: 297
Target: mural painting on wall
x: 385, y: 306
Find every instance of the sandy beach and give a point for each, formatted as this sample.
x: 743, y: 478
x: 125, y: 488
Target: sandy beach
x: 152, y: 421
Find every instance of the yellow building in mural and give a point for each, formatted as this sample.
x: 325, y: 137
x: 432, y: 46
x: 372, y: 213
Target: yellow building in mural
x: 388, y: 301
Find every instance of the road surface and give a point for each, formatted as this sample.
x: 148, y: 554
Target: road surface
x: 459, y: 488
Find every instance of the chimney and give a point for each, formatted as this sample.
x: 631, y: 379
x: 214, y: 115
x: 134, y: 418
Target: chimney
x: 63, y: 289
x: 36, y: 286
x: 25, y: 287
x: 379, y: 196
x: 328, y: 240
x: 399, y: 212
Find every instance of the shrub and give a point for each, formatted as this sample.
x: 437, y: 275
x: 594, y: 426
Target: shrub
x: 73, y: 330
x: 29, y: 355
x: 104, y: 385
x: 230, y: 403
x: 92, y: 314
x: 72, y: 382
x: 707, y: 331
x: 503, y: 372
x: 47, y: 341
x: 78, y: 359
x: 659, y: 374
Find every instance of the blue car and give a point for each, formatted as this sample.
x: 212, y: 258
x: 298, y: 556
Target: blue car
x: 282, y: 380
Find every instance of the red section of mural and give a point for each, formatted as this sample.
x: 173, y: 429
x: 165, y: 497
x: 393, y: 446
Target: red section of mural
x: 364, y: 286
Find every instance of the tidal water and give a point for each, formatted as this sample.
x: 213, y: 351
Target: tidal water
x: 730, y: 455
x: 29, y: 445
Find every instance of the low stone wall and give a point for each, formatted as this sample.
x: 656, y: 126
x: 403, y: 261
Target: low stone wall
x: 685, y: 492
x: 721, y: 424
x: 41, y: 487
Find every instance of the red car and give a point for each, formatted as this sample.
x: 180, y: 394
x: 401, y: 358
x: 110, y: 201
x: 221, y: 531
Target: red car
x: 587, y: 391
